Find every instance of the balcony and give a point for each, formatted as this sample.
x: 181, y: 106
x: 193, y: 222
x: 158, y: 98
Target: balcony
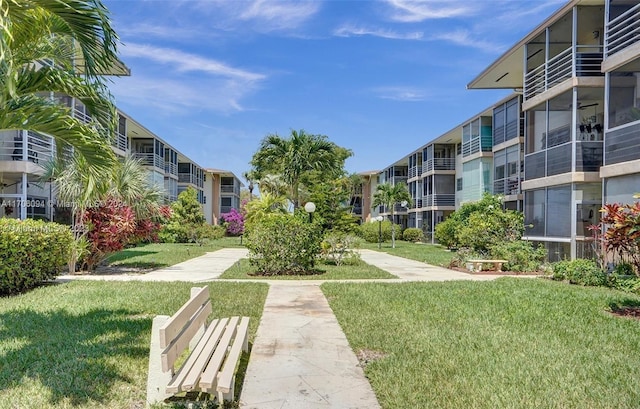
x: 439, y: 200
x: 413, y: 172
x: 560, y: 68
x: 439, y: 164
x: 171, y: 168
x: 189, y: 178
x: 507, y: 187
x: 85, y: 118
x: 230, y: 189
x: 39, y: 148
x: 120, y: 142
x: 623, y: 31
x: 150, y: 159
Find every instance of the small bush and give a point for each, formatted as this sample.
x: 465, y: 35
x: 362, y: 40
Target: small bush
x: 521, y: 255
x: 445, y: 233
x: 579, y: 271
x: 32, y: 251
x: 370, y: 231
x: 338, y: 248
x: 412, y: 234
x: 281, y: 244
x: 624, y: 268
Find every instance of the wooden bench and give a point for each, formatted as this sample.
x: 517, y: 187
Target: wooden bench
x: 476, y: 265
x: 214, y: 351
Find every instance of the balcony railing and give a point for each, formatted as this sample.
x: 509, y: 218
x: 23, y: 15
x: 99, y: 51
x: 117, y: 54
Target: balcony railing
x: 623, y: 31
x: 399, y: 179
x: 81, y: 116
x: 509, y: 186
x: 230, y: 189
x: 120, y: 142
x: 150, y: 159
x: 439, y: 200
x: 439, y: 164
x: 414, y: 171
x: 171, y: 168
x: 189, y: 178
x: 39, y: 148
x: 560, y: 68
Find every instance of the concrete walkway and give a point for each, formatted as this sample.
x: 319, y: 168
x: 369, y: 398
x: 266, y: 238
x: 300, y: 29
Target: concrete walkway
x: 301, y: 358
x: 199, y: 269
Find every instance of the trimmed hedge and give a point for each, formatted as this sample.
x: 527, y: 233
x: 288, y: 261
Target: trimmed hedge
x: 412, y: 234
x: 369, y: 231
x: 283, y: 244
x: 32, y: 251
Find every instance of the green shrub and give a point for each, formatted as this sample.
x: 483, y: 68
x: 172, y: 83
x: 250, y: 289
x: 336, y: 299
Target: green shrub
x: 521, y: 255
x: 338, y: 248
x: 445, y: 233
x: 580, y: 271
x: 210, y: 232
x: 32, y: 251
x: 624, y: 268
x: 282, y: 244
x: 412, y: 234
x: 369, y: 231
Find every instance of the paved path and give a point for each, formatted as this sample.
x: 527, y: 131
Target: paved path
x: 300, y: 357
x: 204, y: 268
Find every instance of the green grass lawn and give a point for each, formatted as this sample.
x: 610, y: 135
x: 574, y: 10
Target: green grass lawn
x: 242, y: 270
x: 86, y: 344
x: 157, y: 255
x: 509, y: 343
x: 433, y: 254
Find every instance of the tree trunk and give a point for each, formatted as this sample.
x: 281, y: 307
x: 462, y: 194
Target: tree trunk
x: 393, y: 229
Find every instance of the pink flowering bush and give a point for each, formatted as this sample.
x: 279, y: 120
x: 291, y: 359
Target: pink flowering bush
x: 234, y: 222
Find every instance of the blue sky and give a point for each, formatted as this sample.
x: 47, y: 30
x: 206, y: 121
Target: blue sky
x: 213, y: 77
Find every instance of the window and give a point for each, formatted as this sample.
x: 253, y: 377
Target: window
x: 459, y: 184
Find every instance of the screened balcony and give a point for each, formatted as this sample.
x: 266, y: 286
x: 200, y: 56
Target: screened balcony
x: 565, y: 65
x: 38, y: 148
x: 623, y: 30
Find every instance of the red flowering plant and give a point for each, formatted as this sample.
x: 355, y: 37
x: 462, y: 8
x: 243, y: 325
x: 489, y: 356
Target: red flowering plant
x: 233, y: 222
x: 619, y: 232
x: 111, y: 225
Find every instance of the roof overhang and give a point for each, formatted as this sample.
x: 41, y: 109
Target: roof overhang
x: 507, y: 72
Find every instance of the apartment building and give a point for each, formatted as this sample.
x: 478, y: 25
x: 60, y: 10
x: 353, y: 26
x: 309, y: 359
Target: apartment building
x: 578, y: 72
x: 481, y: 154
x: 223, y: 189
x: 23, y: 153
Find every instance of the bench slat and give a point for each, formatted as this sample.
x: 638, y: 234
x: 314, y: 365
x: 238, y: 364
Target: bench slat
x: 210, y: 374
x: 177, y: 321
x: 225, y: 377
x: 191, y: 380
x: 181, y: 341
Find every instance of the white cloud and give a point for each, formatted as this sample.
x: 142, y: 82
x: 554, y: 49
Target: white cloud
x: 186, y: 62
x: 156, y: 30
x: 400, y: 93
x: 264, y: 15
x: 348, y: 31
x: 467, y: 39
x: 413, y: 11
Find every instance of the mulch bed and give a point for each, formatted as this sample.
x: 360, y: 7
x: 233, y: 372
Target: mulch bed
x: 629, y: 312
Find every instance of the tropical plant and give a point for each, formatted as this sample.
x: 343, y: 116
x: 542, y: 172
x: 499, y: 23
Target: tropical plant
x: 388, y: 195
x: 295, y: 157
x: 621, y: 226
x: 39, y: 49
x: 268, y: 204
x: 187, y: 220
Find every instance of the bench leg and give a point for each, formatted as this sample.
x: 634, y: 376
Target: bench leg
x: 498, y: 267
x: 157, y: 380
x: 227, y: 396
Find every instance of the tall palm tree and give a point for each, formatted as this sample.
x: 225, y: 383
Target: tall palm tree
x: 291, y: 158
x: 388, y: 195
x: 251, y: 178
x: 58, y: 47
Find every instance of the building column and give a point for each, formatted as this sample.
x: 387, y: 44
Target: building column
x: 23, y: 196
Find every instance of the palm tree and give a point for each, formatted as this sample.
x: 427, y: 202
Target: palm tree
x: 251, y: 177
x: 45, y: 47
x: 388, y: 195
x: 296, y: 156
x: 130, y: 184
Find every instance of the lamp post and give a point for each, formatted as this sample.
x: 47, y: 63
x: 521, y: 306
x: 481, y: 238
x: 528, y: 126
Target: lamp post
x: 379, y: 219
x: 310, y: 207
